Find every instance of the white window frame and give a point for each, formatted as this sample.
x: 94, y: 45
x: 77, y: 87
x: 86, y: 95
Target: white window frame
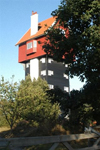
x: 66, y: 88
x: 65, y: 75
x: 42, y: 60
x: 51, y: 86
x: 43, y: 72
x: 50, y: 72
x: 50, y: 60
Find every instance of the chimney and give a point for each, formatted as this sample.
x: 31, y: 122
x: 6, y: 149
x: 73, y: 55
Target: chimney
x: 34, y: 23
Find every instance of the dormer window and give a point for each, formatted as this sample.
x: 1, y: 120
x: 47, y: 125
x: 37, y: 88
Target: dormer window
x: 29, y: 45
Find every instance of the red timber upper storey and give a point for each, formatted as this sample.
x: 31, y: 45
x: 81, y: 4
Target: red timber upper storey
x: 28, y: 45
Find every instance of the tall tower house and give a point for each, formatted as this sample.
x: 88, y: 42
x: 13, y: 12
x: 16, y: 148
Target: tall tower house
x: 35, y: 61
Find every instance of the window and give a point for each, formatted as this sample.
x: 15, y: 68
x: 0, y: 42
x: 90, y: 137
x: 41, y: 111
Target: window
x: 34, y: 43
x: 27, y: 65
x: 65, y: 75
x: 51, y: 86
x: 29, y: 45
x: 65, y: 88
x: 50, y: 60
x: 42, y: 60
x: 66, y: 65
x: 50, y: 72
x: 43, y: 72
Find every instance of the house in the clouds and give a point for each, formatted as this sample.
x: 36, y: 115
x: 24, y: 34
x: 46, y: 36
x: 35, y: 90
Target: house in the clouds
x: 35, y: 60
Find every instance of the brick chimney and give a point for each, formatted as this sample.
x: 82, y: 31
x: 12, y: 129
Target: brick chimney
x: 34, y: 23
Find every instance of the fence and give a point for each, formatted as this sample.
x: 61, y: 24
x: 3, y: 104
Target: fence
x: 20, y: 143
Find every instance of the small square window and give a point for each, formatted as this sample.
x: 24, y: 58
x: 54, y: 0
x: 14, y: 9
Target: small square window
x: 50, y: 60
x: 66, y: 65
x: 43, y: 72
x: 51, y: 86
x: 27, y: 65
x: 42, y: 60
x: 65, y: 75
x: 65, y: 88
x: 29, y: 45
x: 50, y: 72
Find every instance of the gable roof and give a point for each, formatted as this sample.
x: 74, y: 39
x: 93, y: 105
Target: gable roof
x: 44, y: 25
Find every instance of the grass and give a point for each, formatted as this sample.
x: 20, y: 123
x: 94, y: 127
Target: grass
x: 4, y: 129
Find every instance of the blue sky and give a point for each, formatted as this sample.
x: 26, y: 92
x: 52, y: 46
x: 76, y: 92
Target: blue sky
x: 14, y: 22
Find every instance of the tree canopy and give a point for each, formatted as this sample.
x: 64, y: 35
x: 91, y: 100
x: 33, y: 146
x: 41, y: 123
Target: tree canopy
x: 79, y: 40
x: 8, y: 102
x: 27, y: 101
x: 34, y: 103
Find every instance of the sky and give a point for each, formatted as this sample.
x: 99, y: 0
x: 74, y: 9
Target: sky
x: 14, y: 23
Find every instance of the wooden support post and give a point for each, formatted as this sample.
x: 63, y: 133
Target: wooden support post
x: 54, y: 146
x: 68, y: 145
x: 97, y: 142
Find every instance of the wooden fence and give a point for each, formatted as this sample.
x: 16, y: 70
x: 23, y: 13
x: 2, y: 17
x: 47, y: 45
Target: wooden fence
x: 20, y: 143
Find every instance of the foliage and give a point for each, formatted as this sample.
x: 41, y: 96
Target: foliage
x: 79, y: 40
x: 3, y: 121
x: 34, y: 103
x: 85, y: 106
x: 91, y: 96
x: 8, y: 103
x: 61, y: 97
x: 76, y: 38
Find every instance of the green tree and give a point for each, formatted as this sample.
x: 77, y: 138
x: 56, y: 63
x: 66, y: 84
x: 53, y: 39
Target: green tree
x: 79, y: 41
x: 91, y: 96
x: 8, y: 103
x: 81, y: 109
x: 76, y: 38
x: 61, y: 97
x: 34, y: 104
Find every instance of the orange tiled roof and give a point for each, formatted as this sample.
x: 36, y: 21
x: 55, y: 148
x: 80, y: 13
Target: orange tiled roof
x: 44, y: 26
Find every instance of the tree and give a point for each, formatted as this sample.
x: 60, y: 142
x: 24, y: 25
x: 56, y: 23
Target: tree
x: 8, y: 103
x: 78, y: 39
x: 91, y: 96
x: 61, y: 97
x: 75, y: 37
x: 34, y: 104
x: 81, y: 109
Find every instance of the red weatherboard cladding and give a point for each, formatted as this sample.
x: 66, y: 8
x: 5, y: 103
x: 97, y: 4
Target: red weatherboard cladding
x: 25, y: 54
x: 22, y: 53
